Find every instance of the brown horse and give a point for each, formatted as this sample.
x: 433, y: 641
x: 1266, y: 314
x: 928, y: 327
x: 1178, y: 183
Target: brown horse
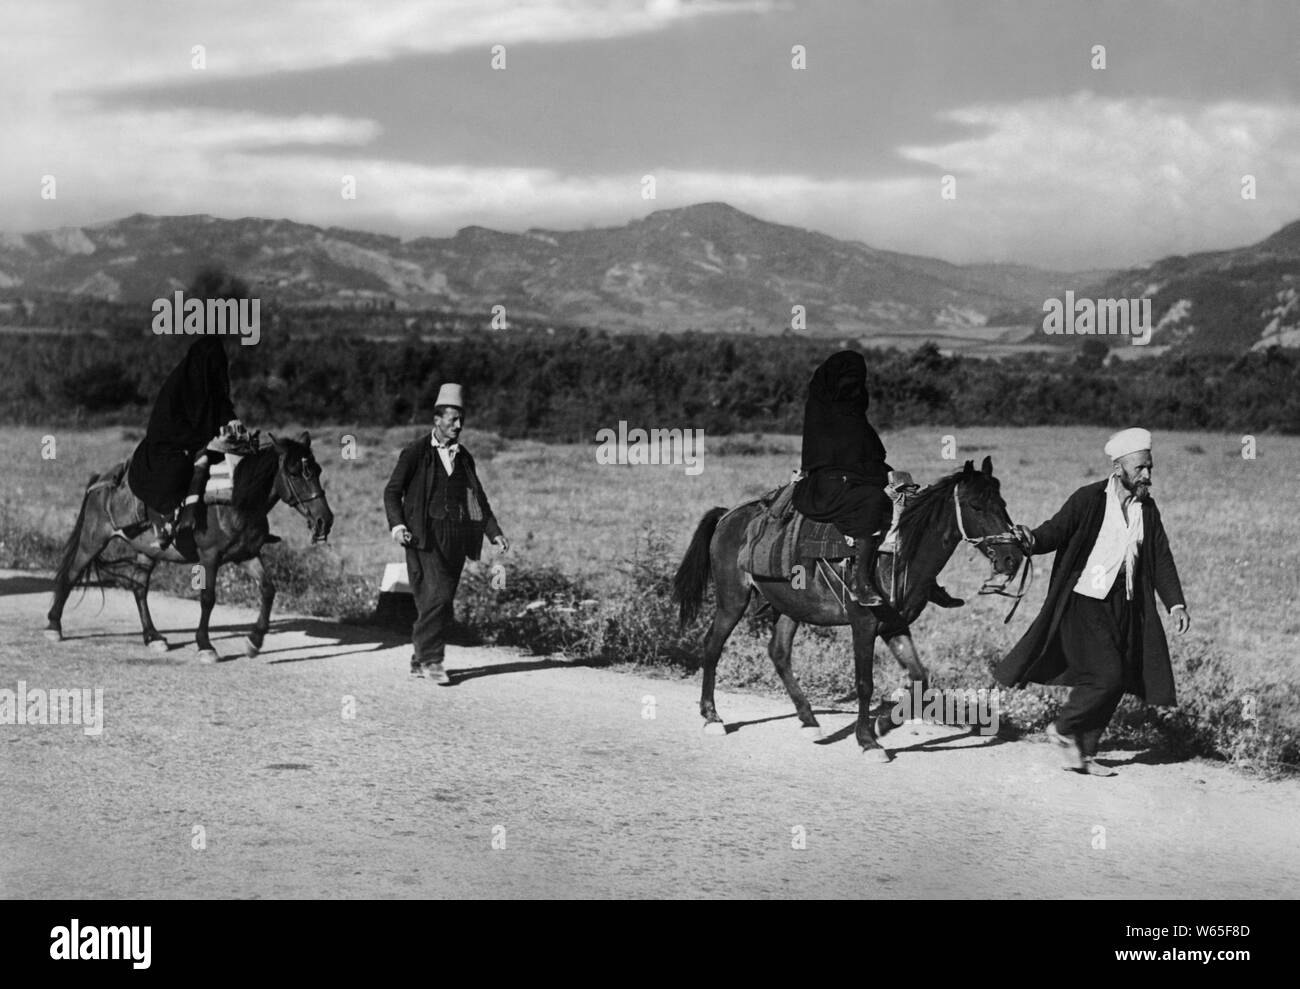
x: 964, y: 506
x: 283, y: 471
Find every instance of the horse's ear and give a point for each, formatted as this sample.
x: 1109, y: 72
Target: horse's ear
x: 969, y: 468
x: 305, y: 438
x: 987, y: 466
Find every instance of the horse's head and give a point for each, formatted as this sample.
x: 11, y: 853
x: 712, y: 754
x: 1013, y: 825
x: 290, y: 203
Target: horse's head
x: 298, y: 484
x: 982, y: 518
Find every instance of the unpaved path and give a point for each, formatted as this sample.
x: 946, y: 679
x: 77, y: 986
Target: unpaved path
x: 562, y: 766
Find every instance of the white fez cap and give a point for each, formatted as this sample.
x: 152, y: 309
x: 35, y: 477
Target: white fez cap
x: 450, y: 395
x: 1128, y: 441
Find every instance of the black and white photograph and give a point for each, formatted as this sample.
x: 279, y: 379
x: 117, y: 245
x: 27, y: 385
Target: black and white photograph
x: 643, y: 450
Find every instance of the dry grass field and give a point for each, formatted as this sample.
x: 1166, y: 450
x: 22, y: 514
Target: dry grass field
x: 1233, y: 523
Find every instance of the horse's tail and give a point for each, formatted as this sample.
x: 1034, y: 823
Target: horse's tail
x: 692, y: 577
x: 91, y: 570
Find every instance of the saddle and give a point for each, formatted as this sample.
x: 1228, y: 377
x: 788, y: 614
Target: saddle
x: 780, y: 538
x: 128, y: 514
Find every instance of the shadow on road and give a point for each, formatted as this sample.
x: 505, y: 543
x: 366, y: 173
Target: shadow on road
x: 345, y: 637
x: 521, y: 666
x: 25, y: 585
x: 735, y: 726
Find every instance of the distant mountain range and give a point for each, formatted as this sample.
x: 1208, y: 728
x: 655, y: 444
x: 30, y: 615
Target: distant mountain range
x: 707, y: 267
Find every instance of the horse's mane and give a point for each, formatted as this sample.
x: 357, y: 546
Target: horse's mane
x: 254, y: 475
x: 924, y: 510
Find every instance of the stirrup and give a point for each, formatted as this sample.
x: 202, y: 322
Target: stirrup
x: 164, y: 535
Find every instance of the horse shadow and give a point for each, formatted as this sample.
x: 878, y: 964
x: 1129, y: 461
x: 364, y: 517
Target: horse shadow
x: 25, y: 584
x: 939, y: 744
x: 337, y: 638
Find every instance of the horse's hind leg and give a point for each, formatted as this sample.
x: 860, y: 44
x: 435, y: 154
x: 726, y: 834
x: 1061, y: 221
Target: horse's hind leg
x: 904, y: 650
x: 87, y: 541
x: 144, y: 565
x: 780, y: 649
x: 733, y: 594
x: 257, y: 570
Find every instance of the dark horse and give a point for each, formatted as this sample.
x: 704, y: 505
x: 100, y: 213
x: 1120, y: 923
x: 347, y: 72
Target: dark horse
x: 964, y: 506
x: 283, y: 471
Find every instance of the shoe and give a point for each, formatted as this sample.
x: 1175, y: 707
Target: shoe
x: 438, y: 675
x: 418, y: 673
x: 940, y: 597
x: 164, y: 536
x: 1093, y: 768
x: 1068, y: 748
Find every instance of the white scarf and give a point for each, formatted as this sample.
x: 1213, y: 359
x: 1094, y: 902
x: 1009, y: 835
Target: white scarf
x: 1117, y: 545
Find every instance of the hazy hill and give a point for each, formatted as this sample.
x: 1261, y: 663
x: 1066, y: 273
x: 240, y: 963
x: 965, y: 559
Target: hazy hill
x: 707, y: 267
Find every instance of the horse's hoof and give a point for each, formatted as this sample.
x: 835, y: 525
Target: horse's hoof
x: 53, y: 635
x: 158, y: 646
x: 251, y: 650
x: 208, y: 656
x: 813, y: 732
x: 715, y: 728
x: 876, y: 756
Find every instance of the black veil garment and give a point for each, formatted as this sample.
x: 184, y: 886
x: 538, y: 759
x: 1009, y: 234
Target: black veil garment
x: 842, y: 454
x: 192, y: 406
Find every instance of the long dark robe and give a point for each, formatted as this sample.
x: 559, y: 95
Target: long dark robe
x: 1071, y: 533
x: 843, y: 457
x: 192, y: 406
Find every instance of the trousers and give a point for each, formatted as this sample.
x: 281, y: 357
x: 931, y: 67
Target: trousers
x: 434, y: 575
x: 1097, y: 638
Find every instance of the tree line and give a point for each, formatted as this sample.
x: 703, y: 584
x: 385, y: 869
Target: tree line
x: 563, y: 385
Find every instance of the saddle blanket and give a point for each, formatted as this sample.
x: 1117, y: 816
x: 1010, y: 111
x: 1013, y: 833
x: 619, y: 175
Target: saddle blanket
x: 127, y: 511
x: 779, y: 537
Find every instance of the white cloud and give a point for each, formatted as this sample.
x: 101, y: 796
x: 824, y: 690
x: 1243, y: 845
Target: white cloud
x: 1089, y: 178
x: 92, y: 44
x: 1067, y: 182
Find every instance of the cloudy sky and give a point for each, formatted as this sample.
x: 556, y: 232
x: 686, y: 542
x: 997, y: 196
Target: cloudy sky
x: 1056, y: 163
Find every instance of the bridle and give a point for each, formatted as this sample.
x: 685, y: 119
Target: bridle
x: 997, y: 583
x: 297, y: 500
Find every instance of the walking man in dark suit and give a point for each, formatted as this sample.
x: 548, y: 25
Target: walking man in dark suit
x: 1099, y: 630
x: 437, y: 510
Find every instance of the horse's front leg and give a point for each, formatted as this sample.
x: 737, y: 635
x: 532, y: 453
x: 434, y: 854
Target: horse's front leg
x: 256, y: 570
x: 904, y: 650
x: 144, y: 565
x: 207, y: 601
x: 865, y: 627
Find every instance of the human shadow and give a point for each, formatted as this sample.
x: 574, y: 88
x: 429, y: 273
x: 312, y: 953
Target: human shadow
x: 459, y: 676
x: 341, y: 639
x: 1155, y: 756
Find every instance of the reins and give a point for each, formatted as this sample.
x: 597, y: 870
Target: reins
x: 983, y: 544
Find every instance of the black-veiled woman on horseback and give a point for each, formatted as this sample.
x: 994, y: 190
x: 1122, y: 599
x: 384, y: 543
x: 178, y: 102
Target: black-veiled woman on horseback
x: 193, y: 409
x: 845, y: 472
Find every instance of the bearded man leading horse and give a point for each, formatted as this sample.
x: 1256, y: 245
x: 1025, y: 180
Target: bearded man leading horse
x: 845, y: 474
x: 193, y: 425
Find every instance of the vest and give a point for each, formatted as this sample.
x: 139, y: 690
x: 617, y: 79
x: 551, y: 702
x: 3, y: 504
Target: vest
x: 449, y: 493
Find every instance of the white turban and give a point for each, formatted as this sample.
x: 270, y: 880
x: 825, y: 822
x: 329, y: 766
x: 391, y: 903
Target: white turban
x: 1128, y: 441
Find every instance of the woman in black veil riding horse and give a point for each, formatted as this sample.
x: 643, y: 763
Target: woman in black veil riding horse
x: 170, y: 466
x: 844, y: 464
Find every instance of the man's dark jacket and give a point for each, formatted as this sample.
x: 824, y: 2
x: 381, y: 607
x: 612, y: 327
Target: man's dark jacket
x: 415, y: 497
x: 1072, y: 532
x: 192, y: 406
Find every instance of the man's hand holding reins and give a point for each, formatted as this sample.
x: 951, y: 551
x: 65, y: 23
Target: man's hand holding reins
x: 1025, y: 536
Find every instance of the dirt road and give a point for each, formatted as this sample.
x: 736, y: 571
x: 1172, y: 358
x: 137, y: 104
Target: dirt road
x: 320, y: 770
